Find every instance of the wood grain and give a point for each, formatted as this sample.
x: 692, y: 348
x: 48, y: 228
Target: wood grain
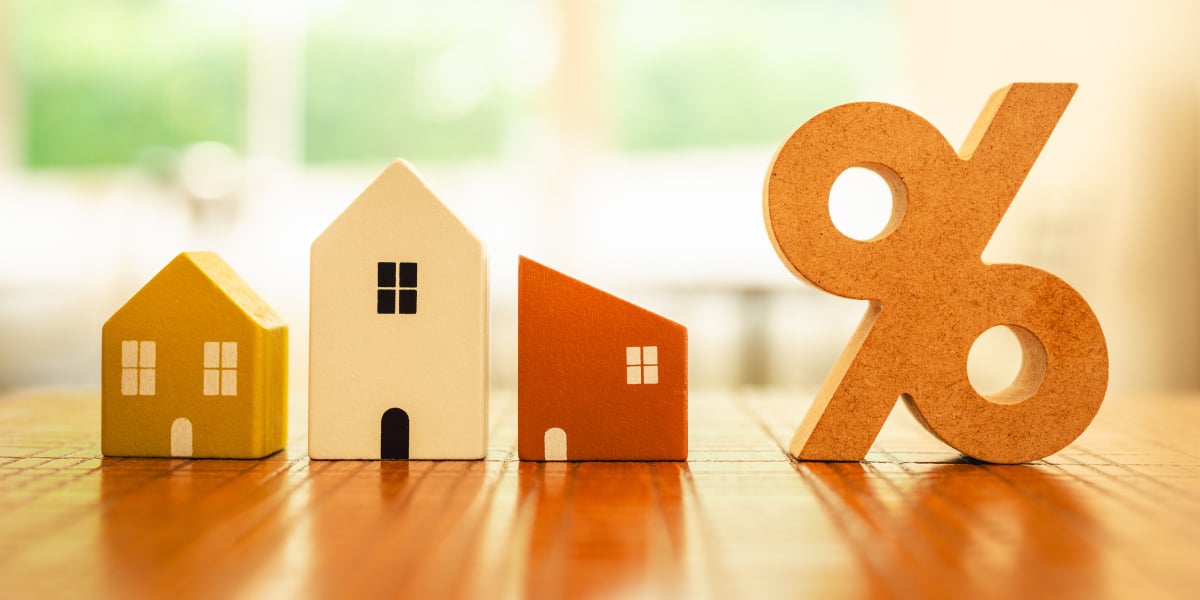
x: 1114, y: 514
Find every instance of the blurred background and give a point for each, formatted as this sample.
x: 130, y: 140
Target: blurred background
x: 622, y: 142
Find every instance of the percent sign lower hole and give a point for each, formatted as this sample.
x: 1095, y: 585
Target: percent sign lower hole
x: 1006, y: 364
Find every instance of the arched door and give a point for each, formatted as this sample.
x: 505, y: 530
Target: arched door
x: 181, y: 437
x: 393, y: 434
x: 556, y: 444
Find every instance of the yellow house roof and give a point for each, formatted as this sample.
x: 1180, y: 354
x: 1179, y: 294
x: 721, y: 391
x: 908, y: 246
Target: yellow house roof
x: 189, y: 268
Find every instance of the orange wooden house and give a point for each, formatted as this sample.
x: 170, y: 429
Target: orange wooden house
x: 598, y: 378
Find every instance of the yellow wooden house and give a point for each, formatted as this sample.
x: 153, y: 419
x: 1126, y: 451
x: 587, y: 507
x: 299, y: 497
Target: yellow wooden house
x: 195, y: 364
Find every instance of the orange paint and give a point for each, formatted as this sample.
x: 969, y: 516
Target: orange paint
x: 579, y: 372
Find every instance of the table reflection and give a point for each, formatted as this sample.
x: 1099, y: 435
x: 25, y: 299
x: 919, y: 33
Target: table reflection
x: 1004, y: 531
x: 607, y: 529
x: 160, y: 518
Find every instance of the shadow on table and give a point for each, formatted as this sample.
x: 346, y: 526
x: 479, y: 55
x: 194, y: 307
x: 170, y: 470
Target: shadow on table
x: 962, y: 529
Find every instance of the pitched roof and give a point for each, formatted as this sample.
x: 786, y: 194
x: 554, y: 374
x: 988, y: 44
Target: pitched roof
x: 218, y: 273
x: 398, y: 185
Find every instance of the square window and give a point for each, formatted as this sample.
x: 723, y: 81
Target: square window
x: 408, y: 275
x: 387, y: 274
x: 408, y: 302
x: 641, y: 365
x: 385, y: 303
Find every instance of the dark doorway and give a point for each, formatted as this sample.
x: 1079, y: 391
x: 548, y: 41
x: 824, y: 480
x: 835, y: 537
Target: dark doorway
x: 393, y: 434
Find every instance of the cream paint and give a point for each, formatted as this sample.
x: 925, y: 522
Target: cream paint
x: 433, y: 364
x: 556, y: 444
x: 138, y: 363
x: 220, y: 368
x: 641, y: 365
x: 181, y: 437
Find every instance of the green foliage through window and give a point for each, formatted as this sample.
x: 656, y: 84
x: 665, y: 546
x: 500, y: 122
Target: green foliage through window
x: 103, y: 80
x: 422, y: 80
x: 707, y: 73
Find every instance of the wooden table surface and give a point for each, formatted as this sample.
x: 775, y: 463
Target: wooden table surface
x: 1117, y: 514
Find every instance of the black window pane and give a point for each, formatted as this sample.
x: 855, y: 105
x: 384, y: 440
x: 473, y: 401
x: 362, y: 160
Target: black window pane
x: 387, y: 275
x: 408, y: 302
x: 386, y: 302
x: 408, y: 274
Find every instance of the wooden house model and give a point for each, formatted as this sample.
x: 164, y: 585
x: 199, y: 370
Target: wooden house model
x: 598, y: 378
x: 194, y: 365
x: 398, y: 347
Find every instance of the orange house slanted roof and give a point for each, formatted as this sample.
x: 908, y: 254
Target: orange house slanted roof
x: 574, y: 372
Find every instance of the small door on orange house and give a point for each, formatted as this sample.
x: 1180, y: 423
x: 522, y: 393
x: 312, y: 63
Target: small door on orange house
x: 393, y: 434
x: 556, y: 444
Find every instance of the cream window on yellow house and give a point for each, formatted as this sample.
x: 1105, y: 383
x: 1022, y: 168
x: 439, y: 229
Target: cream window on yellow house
x: 220, y: 368
x: 137, y: 368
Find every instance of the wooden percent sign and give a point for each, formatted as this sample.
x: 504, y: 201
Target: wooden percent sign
x: 931, y: 295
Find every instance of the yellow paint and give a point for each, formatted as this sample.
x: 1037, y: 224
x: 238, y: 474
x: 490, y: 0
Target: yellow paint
x: 194, y: 301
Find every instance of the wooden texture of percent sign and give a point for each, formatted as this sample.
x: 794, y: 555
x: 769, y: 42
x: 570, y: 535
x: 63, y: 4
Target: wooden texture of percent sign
x: 931, y: 295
